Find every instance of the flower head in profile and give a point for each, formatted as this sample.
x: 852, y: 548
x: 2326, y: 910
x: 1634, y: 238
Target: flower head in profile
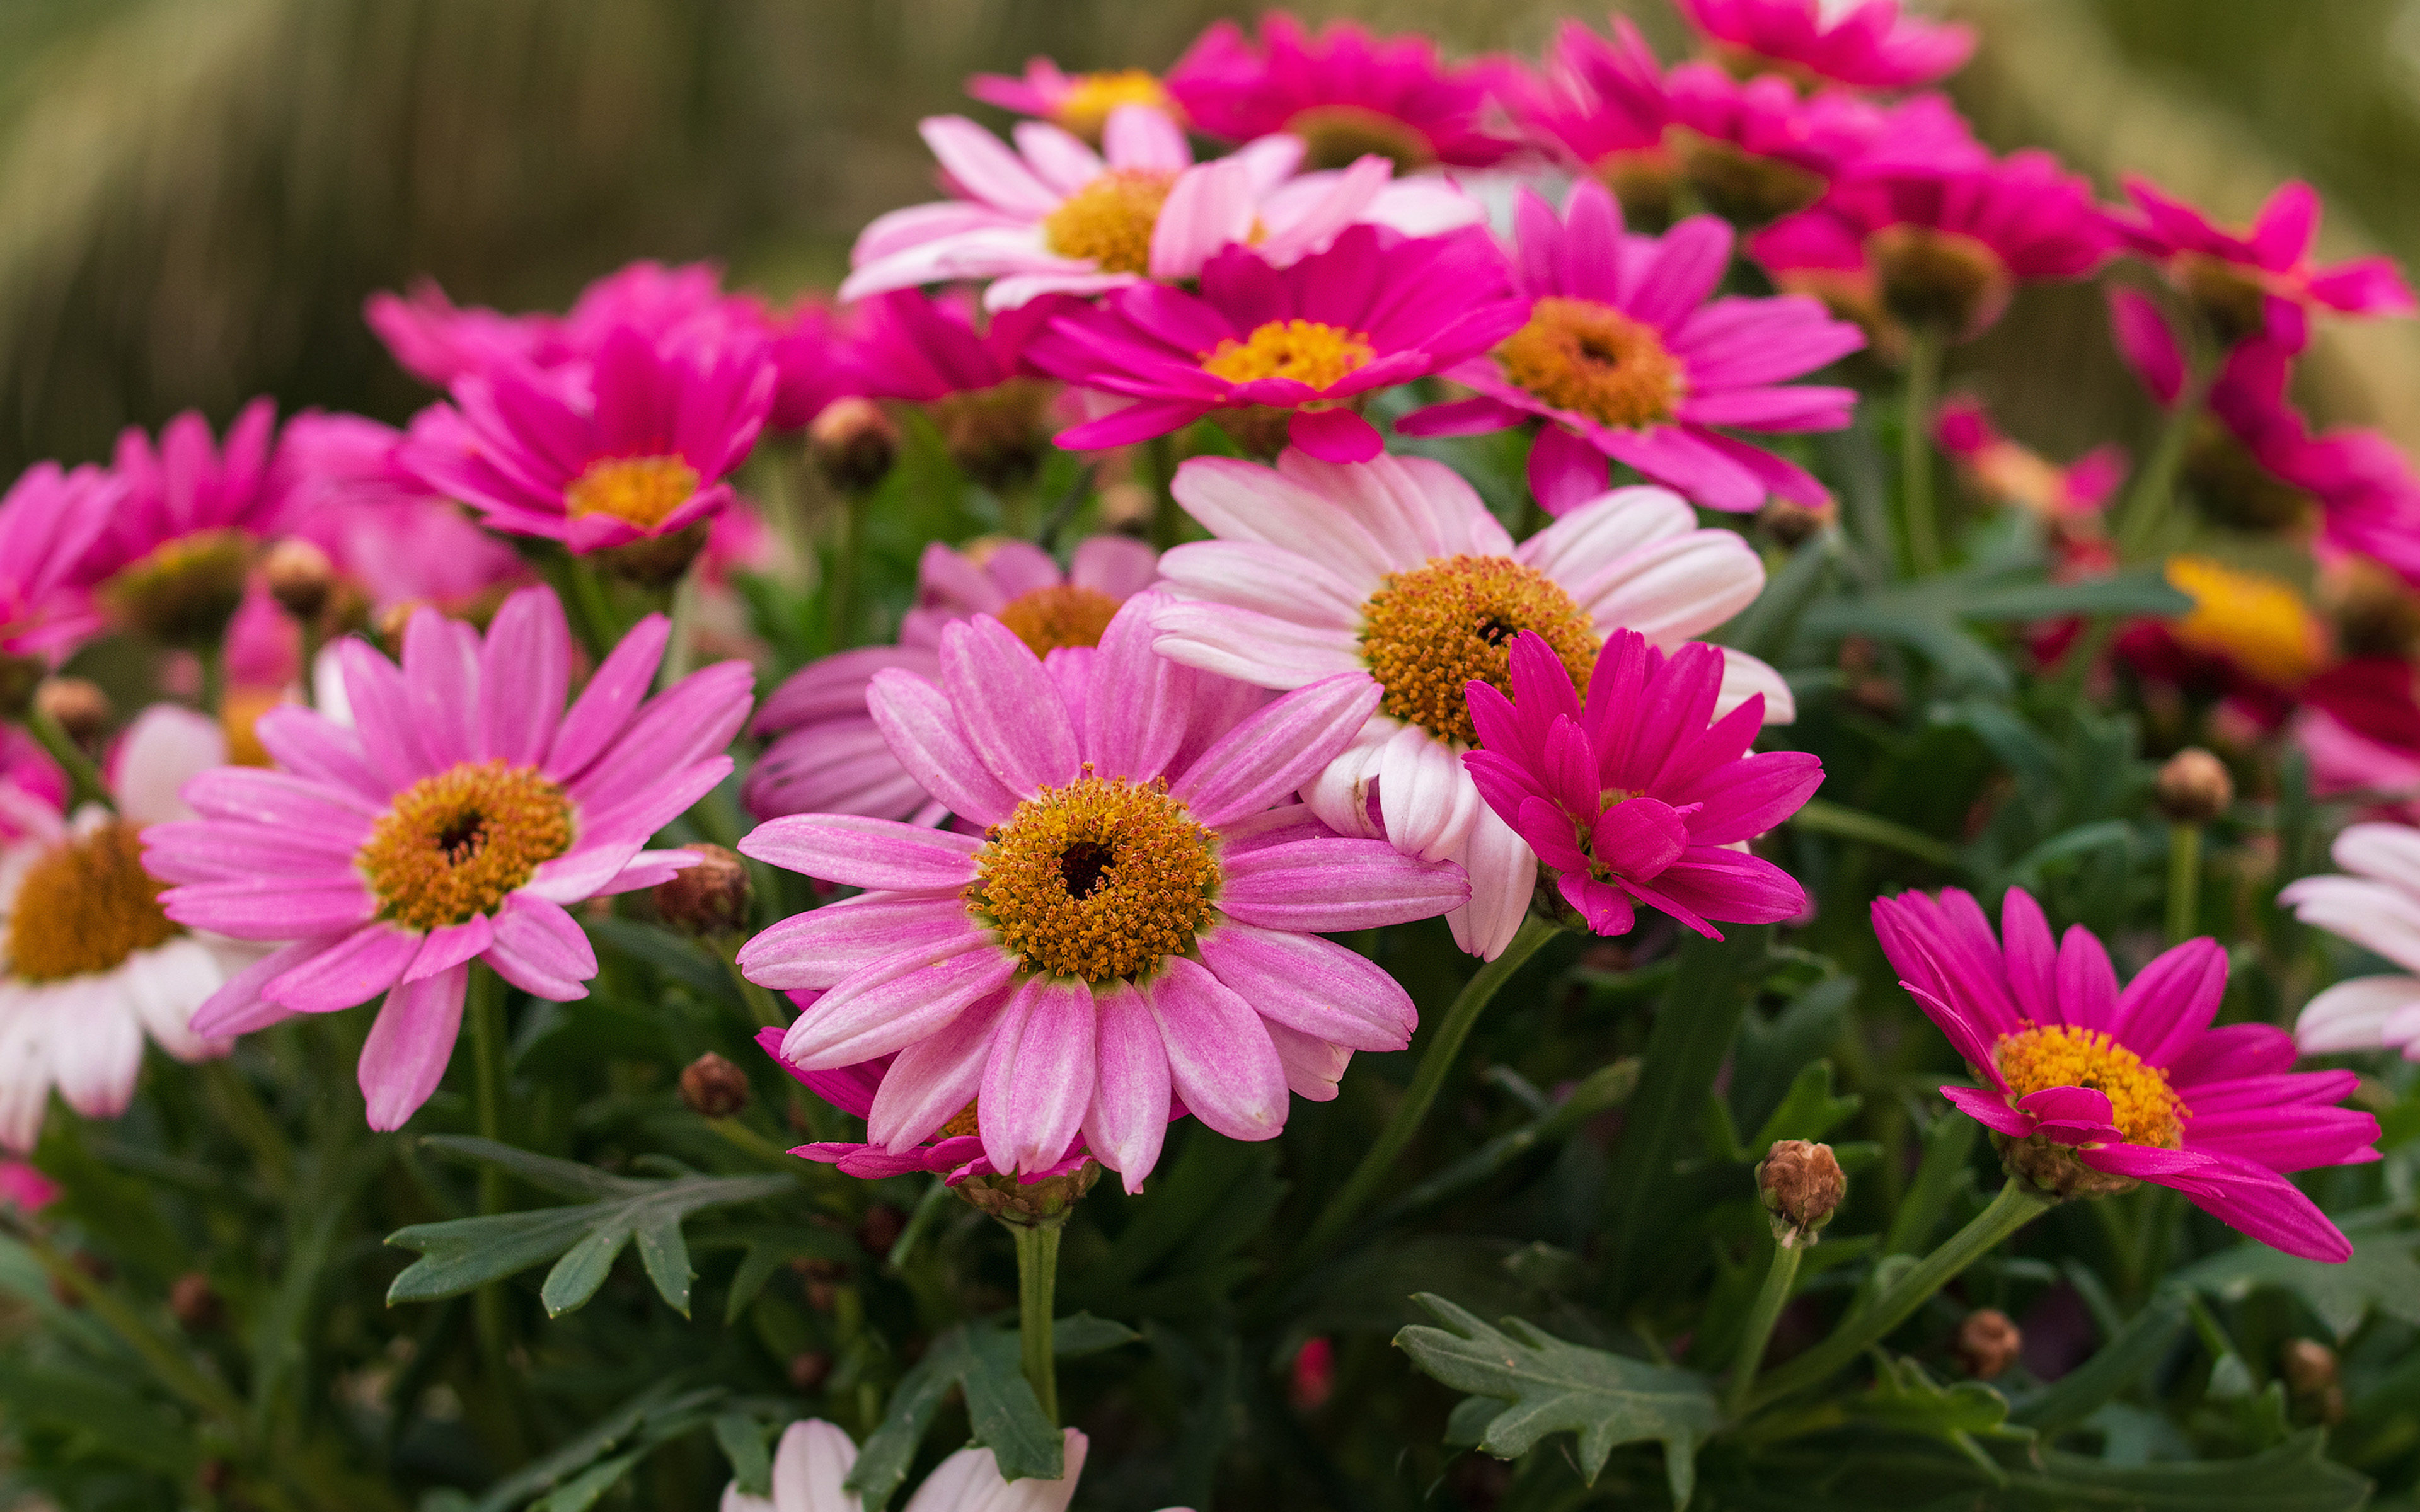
x: 828, y: 757
x: 2374, y: 902
x: 49, y: 522
x: 1394, y: 575
x: 2090, y: 1090
x: 2011, y: 472
x: 89, y: 964
x: 1627, y: 356
x: 1289, y: 353
x: 812, y: 1463
x: 2359, y: 724
x: 1640, y: 795
x: 438, y: 342
x: 455, y: 817
x: 972, y: 371
x: 1598, y: 107
x: 1866, y: 45
x: 2261, y: 281
x: 1134, y: 921
x: 1078, y: 103
x: 172, y: 561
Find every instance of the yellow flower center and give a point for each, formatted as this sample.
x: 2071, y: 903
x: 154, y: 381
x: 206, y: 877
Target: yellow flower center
x: 961, y: 1124
x: 239, y: 713
x: 1087, y: 107
x: 1055, y: 618
x: 1109, y: 220
x: 640, y: 490
x: 2258, y: 623
x: 1428, y: 632
x: 2142, y: 1104
x: 1337, y: 137
x: 1100, y: 880
x: 1595, y: 361
x: 86, y: 906
x: 454, y: 844
x: 1304, y: 350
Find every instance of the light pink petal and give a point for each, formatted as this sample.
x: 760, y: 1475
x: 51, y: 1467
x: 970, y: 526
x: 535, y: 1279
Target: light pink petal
x: 1012, y: 716
x: 405, y: 1055
x: 442, y: 950
x: 2356, y: 1015
x: 985, y: 166
x: 238, y: 1008
x: 1428, y: 802
x: 1277, y: 751
x: 1128, y: 1118
x: 1503, y: 872
x: 1266, y: 580
x: 932, y: 1080
x: 1674, y: 589
x: 923, y: 732
x: 1250, y: 647
x: 611, y: 698
x: 1313, y: 986
x: 824, y: 946
x: 541, y: 950
x: 1118, y: 566
x: 1038, y: 1081
x: 1209, y: 208
x: 1219, y: 1058
x: 1578, y: 547
x: 1139, y: 136
x: 365, y: 963
x: 270, y: 909
x: 1745, y: 677
x: 1327, y: 885
x: 892, y: 1004
x: 858, y: 852
x: 440, y: 669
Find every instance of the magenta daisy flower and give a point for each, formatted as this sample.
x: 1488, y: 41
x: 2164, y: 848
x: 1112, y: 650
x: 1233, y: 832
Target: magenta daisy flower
x: 910, y: 345
x: 2376, y: 906
x: 1598, y: 107
x: 438, y: 342
x: 634, y: 447
x: 2260, y: 280
x: 1343, y: 91
x: 954, y: 1151
x: 1626, y: 358
x: 455, y: 817
x: 1135, y: 922
x: 50, y: 520
x: 2090, y: 1090
x: 1078, y: 103
x: 1868, y: 45
x: 1394, y: 573
x: 1297, y: 347
x: 1641, y: 795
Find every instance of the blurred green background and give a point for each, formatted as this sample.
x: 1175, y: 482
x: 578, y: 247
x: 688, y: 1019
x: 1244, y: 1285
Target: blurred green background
x: 196, y: 194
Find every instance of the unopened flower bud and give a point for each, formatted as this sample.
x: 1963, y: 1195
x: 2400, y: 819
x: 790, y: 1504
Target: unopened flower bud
x: 854, y: 443
x: 1802, y: 1187
x: 1987, y: 1343
x: 709, y: 898
x: 195, y: 1302
x: 1745, y: 188
x: 880, y: 1229
x: 808, y: 1370
x: 997, y: 436
x: 299, y: 576
x: 81, y: 708
x: 1044, y: 1204
x: 1790, y: 525
x: 2309, y: 1370
x: 713, y: 1088
x: 2193, y: 787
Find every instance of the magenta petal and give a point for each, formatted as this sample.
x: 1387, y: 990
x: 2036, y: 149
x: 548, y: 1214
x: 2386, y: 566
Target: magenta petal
x: 1038, y: 1081
x: 1565, y: 472
x: 1991, y: 1109
x: 2171, y: 1001
x: 2071, y: 1115
x: 405, y: 1055
x: 1334, y: 435
x: 524, y: 672
x: 605, y: 706
x: 1219, y: 1059
x: 1638, y: 838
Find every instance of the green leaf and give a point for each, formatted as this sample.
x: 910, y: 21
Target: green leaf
x: 583, y: 1467
x: 1905, y: 1399
x: 1548, y: 1387
x: 2115, y: 1367
x: 1948, y: 1140
x: 742, y: 1440
x: 2381, y: 1275
x: 586, y: 1489
x: 1809, y: 1111
x: 669, y: 954
x: 768, y: 1249
x: 1000, y: 1406
x: 1084, y: 1334
x: 2295, y: 1477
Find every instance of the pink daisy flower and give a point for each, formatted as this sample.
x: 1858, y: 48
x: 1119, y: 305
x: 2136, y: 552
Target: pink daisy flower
x: 50, y: 521
x: 2002, y: 468
x: 1299, y: 345
x: 1078, y: 103
x: 910, y: 345
x: 25, y: 1189
x: 1641, y: 795
x: 1598, y: 107
x: 636, y: 452
x: 1868, y: 45
x: 2360, y: 726
x: 814, y: 350
x: 2261, y: 280
x: 1343, y: 91
x: 455, y: 817
x: 1626, y: 358
x: 2090, y: 1090
x: 436, y: 341
x: 33, y: 790
x: 2376, y: 906
x: 811, y: 1468
x: 1393, y: 574
x: 348, y: 493
x: 954, y: 1151
x: 1135, y: 923
x: 828, y: 757
x: 1056, y: 217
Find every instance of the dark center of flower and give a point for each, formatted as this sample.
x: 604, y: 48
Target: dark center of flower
x: 1336, y: 136
x: 639, y: 490
x: 1086, y: 108
x: 1595, y: 361
x: 1427, y: 633
x: 454, y: 845
x: 1100, y: 880
x: 1059, y: 616
x: 185, y: 591
x: 2234, y: 302
x: 1745, y: 188
x: 2234, y: 489
x: 1944, y: 280
x: 86, y: 906
x: 2142, y: 1104
x: 1307, y: 351
x: 1109, y: 220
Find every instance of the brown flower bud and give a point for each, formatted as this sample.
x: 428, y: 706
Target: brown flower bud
x: 854, y: 443
x: 880, y: 1229
x: 808, y: 1370
x: 1802, y: 1186
x: 1792, y: 524
x: 2309, y: 1366
x: 1987, y: 1343
x: 713, y: 1088
x: 195, y: 1302
x: 2193, y: 787
x: 709, y: 898
x: 79, y: 705
x: 2050, y: 1168
x: 299, y: 576
x: 1044, y: 1204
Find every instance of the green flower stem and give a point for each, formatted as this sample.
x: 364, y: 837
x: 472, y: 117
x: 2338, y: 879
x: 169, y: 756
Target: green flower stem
x: 763, y: 1151
x: 1780, y: 1277
x: 848, y: 560
x: 213, y: 659
x: 232, y: 1099
x: 2184, y: 882
x: 1167, y: 519
x: 680, y: 648
x: 2017, y: 1205
x: 84, y: 778
x: 1850, y: 824
x: 486, y: 1011
x: 592, y: 610
x: 1436, y: 1063
x: 1037, y: 1285
x: 2155, y: 486
x: 1915, y: 452
x: 175, y: 1370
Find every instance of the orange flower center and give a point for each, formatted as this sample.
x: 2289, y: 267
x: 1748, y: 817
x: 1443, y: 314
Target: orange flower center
x: 86, y: 906
x: 1087, y: 107
x: 239, y: 713
x: 1100, y: 880
x: 1595, y: 361
x: 2258, y: 623
x: 1109, y: 220
x: 1059, y: 616
x: 640, y: 490
x: 1306, y: 351
x: 1427, y: 633
x: 2142, y: 1104
x: 454, y: 844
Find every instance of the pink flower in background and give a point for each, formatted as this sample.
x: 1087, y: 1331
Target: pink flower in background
x: 830, y: 757
x: 455, y: 817
x: 1078, y: 103
x: 811, y: 1474
x: 50, y: 521
x: 1394, y: 575
x: 638, y: 451
x: 2091, y: 1089
x: 1307, y: 342
x: 348, y: 492
x: 1341, y: 90
x: 1598, y: 107
x: 2261, y: 281
x: 1135, y: 922
x: 2377, y: 907
x: 33, y: 790
x: 190, y: 491
x: 25, y: 1189
x: 1626, y: 358
x: 1641, y: 795
x: 1866, y: 45
x: 2012, y: 473
x: 2360, y: 726
x: 954, y: 1151
x: 435, y: 340
x: 913, y: 345
x: 814, y: 350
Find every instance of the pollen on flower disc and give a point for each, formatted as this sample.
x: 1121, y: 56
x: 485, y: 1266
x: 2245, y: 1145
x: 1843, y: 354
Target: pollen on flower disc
x: 454, y: 845
x: 1427, y: 633
x: 640, y: 490
x: 1595, y: 361
x: 1100, y: 880
x: 1059, y: 616
x: 1307, y: 351
x: 1111, y: 220
x: 2142, y: 1104
x: 86, y: 906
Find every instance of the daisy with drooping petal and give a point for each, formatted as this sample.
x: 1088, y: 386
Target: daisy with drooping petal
x: 2377, y: 906
x: 1626, y: 358
x: 2092, y: 1090
x: 828, y: 756
x: 1137, y: 922
x: 2260, y: 281
x: 812, y: 1463
x: 455, y: 817
x: 1868, y: 45
x: 1641, y: 795
x: 49, y: 522
x: 90, y: 963
x: 1342, y: 91
x: 1286, y: 353
x: 1598, y: 105
x: 1078, y: 103
x: 1393, y: 574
